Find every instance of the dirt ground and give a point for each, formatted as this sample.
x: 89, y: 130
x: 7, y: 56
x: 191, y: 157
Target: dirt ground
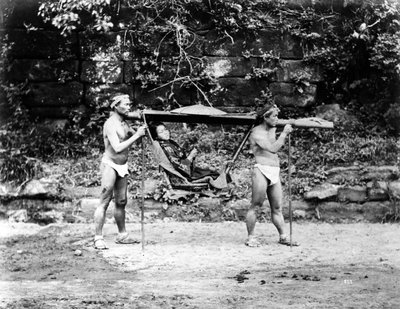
x: 201, y: 265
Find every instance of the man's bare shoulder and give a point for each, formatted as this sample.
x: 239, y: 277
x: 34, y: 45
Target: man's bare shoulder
x: 258, y: 128
x: 111, y: 122
x: 257, y: 131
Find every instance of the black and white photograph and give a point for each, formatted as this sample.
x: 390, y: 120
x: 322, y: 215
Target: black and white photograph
x: 199, y: 154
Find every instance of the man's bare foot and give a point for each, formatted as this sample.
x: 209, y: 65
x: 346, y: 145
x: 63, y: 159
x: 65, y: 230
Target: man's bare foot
x: 99, y: 243
x: 286, y: 241
x: 252, y: 242
x: 126, y: 239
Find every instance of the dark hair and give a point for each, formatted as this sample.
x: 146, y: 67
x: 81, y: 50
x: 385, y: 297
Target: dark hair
x: 153, y: 128
x: 115, y: 99
x: 265, y: 111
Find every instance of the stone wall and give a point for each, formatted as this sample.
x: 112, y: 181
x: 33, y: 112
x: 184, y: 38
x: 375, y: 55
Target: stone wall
x: 83, y: 75
x: 373, y: 197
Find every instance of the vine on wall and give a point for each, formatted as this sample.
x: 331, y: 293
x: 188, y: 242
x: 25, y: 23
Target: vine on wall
x: 358, y: 49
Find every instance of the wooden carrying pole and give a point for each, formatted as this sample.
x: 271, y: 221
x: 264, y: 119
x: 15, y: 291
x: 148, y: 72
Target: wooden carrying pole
x: 290, y: 190
x: 312, y: 122
x: 142, y: 197
x: 142, y: 186
x: 239, y: 149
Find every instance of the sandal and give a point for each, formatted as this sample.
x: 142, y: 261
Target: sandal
x: 286, y: 241
x: 252, y: 242
x: 125, y: 239
x: 100, y: 244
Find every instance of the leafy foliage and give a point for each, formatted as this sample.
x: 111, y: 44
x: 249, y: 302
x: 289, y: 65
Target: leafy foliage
x: 67, y: 15
x: 26, y: 145
x: 358, y: 50
x: 360, y: 55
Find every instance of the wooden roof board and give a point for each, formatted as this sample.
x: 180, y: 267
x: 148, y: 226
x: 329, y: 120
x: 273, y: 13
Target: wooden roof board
x: 232, y: 118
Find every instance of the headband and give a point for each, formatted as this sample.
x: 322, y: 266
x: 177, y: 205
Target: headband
x: 117, y: 99
x: 268, y: 110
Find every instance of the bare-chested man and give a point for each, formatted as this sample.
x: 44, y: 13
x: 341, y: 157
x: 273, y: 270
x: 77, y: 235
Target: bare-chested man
x: 118, y: 138
x: 265, y: 177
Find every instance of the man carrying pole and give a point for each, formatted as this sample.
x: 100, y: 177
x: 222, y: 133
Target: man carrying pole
x: 266, y: 173
x: 118, y: 138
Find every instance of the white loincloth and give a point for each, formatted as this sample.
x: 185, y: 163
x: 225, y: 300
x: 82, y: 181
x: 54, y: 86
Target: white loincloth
x: 122, y: 170
x: 270, y: 172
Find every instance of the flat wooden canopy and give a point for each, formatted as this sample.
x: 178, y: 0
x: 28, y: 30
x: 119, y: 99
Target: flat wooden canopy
x: 232, y: 118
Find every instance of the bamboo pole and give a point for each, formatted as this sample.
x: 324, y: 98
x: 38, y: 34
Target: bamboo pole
x: 142, y: 197
x: 142, y: 186
x: 290, y: 189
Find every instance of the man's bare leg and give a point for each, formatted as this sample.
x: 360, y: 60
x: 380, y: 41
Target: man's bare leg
x: 259, y: 189
x: 107, y: 185
x: 120, y: 197
x: 274, y: 194
x: 275, y: 197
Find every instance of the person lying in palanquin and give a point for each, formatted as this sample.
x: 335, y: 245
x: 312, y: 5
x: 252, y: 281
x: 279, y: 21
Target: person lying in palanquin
x: 182, y: 160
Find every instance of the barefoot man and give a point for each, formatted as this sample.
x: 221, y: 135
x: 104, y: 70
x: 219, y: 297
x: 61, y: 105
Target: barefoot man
x: 118, y: 138
x: 265, y: 177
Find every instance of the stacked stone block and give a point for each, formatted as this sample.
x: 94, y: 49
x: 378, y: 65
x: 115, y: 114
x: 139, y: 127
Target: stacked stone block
x: 67, y: 74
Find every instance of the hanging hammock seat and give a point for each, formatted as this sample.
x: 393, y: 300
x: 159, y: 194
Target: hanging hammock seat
x: 173, y: 178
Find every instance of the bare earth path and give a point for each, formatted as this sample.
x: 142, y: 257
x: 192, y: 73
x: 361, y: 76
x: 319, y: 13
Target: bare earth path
x: 201, y: 265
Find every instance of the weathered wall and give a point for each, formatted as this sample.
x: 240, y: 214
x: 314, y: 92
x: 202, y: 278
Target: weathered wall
x: 82, y: 76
